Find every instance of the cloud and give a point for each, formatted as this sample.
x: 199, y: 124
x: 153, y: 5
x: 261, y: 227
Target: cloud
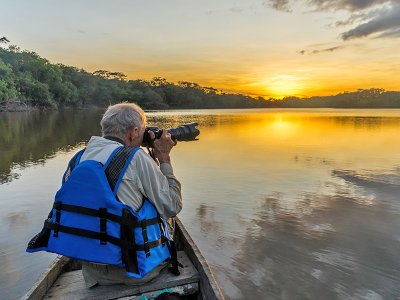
x: 391, y: 33
x: 368, y: 17
x: 386, y: 22
x: 350, y: 5
x: 354, y: 18
x: 317, y: 51
x: 281, y: 5
x: 236, y: 10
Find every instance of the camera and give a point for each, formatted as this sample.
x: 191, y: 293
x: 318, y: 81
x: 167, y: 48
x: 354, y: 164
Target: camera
x: 186, y: 132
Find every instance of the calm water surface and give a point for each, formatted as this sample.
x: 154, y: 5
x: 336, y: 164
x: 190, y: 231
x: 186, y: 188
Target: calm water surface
x: 284, y: 204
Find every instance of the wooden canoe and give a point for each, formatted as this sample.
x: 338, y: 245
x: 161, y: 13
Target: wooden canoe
x: 63, y: 279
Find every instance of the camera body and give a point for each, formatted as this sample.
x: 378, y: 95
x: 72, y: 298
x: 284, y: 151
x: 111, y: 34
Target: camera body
x: 186, y: 132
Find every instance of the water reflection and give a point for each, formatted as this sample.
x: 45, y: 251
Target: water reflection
x: 365, y: 122
x: 284, y: 204
x: 18, y: 219
x: 31, y: 138
x: 331, y: 246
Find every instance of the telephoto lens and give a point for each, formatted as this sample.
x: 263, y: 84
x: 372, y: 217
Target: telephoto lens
x: 186, y: 132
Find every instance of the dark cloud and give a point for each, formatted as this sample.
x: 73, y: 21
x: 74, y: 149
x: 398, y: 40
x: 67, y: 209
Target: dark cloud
x: 368, y: 17
x: 386, y: 23
x: 331, y: 49
x: 281, y: 5
x: 392, y: 33
x: 350, y: 5
x: 317, y: 51
x: 323, y: 5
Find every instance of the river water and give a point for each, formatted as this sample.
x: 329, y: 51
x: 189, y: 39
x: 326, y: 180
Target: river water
x: 284, y: 204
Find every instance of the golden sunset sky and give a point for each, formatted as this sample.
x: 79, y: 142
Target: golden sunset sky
x: 272, y: 48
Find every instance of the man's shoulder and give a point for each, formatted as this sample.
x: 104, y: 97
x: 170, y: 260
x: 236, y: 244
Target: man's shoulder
x: 99, y: 149
x: 143, y: 156
x: 142, y: 160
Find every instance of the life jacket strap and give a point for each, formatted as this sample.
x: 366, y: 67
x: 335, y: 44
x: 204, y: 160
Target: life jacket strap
x: 103, y: 225
x: 175, y: 264
x: 98, y: 236
x: 127, y: 219
x: 58, y: 217
x: 145, y: 238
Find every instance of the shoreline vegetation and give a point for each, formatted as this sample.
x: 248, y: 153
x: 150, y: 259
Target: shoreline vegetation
x: 29, y: 82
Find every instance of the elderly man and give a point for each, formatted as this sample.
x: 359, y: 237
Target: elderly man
x: 124, y: 124
x: 144, y: 188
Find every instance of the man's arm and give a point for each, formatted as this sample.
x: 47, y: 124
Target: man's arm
x: 159, y: 185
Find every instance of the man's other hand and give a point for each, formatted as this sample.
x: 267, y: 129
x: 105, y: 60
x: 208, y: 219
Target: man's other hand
x: 163, y: 146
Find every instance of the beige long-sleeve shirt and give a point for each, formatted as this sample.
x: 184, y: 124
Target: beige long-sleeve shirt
x: 143, y: 178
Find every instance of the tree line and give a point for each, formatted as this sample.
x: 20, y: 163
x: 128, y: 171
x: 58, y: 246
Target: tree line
x: 362, y: 98
x: 28, y: 78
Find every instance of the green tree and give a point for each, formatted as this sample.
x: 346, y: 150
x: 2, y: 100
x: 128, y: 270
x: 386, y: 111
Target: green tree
x: 8, y: 91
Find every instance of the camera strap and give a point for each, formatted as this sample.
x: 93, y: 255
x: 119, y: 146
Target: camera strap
x: 151, y: 153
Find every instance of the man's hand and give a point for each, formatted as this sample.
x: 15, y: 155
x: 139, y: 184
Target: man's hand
x: 163, y: 146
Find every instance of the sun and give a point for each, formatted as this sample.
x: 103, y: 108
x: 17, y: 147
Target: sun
x: 280, y: 86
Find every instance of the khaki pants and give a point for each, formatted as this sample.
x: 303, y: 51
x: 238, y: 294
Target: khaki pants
x: 109, y: 275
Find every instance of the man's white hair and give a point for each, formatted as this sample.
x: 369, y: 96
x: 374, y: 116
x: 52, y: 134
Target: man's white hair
x: 120, y: 118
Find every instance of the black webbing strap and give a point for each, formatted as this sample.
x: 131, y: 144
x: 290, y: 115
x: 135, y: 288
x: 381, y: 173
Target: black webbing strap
x: 125, y: 220
x: 97, y: 236
x: 103, y: 225
x: 174, y: 269
x: 175, y: 264
x: 58, y: 217
x: 128, y: 256
x: 145, y: 238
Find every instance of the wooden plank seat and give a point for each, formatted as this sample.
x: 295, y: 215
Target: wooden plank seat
x: 70, y: 285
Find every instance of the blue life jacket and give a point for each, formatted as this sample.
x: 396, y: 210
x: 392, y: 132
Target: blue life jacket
x: 89, y: 223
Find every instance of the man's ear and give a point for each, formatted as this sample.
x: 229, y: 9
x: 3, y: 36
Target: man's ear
x: 133, y: 133
x: 136, y: 132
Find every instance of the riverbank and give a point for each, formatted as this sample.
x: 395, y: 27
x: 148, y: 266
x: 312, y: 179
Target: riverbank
x: 21, y: 106
x: 16, y: 106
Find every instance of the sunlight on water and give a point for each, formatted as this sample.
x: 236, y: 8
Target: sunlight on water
x: 283, y: 203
